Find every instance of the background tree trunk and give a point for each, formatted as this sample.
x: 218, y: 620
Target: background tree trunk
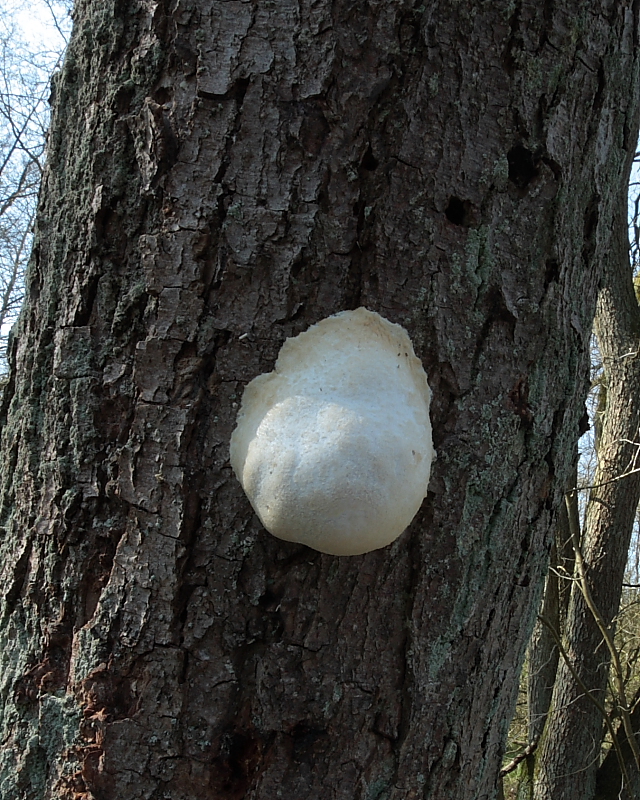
x: 567, y: 763
x: 543, y: 654
x: 221, y: 175
x: 609, y: 781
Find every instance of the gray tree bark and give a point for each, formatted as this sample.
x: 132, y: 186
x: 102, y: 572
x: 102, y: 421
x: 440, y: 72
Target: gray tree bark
x: 543, y: 654
x: 221, y: 175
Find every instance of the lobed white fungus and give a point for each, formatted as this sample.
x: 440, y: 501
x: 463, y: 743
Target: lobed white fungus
x: 333, y: 448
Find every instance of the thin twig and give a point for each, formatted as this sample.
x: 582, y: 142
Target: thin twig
x: 611, y: 480
x: 512, y: 765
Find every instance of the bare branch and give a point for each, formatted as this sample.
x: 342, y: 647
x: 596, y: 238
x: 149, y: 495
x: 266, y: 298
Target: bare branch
x: 515, y: 763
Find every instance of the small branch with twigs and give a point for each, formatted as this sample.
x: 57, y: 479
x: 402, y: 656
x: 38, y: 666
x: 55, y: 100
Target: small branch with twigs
x: 515, y: 763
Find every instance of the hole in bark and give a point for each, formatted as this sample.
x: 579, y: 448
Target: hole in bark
x: 162, y: 95
x: 296, y: 267
x: 522, y: 169
x: 460, y: 212
x: 455, y: 211
x: 552, y: 271
x: 369, y: 161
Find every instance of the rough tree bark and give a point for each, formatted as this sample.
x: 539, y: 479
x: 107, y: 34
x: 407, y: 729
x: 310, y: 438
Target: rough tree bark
x: 543, y: 653
x: 221, y: 175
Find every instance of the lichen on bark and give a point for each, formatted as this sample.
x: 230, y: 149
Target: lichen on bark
x: 221, y: 176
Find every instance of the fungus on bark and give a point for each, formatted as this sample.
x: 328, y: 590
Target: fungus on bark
x: 333, y: 448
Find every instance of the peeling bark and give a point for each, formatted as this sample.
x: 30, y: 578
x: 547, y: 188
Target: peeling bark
x: 221, y: 175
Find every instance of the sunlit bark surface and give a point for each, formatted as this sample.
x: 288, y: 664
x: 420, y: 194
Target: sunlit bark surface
x: 221, y: 175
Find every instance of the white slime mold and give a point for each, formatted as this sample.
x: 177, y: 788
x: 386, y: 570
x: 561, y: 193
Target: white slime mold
x: 333, y: 448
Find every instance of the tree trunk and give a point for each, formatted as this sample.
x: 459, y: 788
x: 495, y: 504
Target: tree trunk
x: 543, y: 651
x: 568, y: 760
x: 543, y: 654
x: 221, y: 175
x: 609, y: 780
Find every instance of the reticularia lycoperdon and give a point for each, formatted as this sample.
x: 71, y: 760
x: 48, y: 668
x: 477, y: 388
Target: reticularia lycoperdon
x: 333, y: 448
